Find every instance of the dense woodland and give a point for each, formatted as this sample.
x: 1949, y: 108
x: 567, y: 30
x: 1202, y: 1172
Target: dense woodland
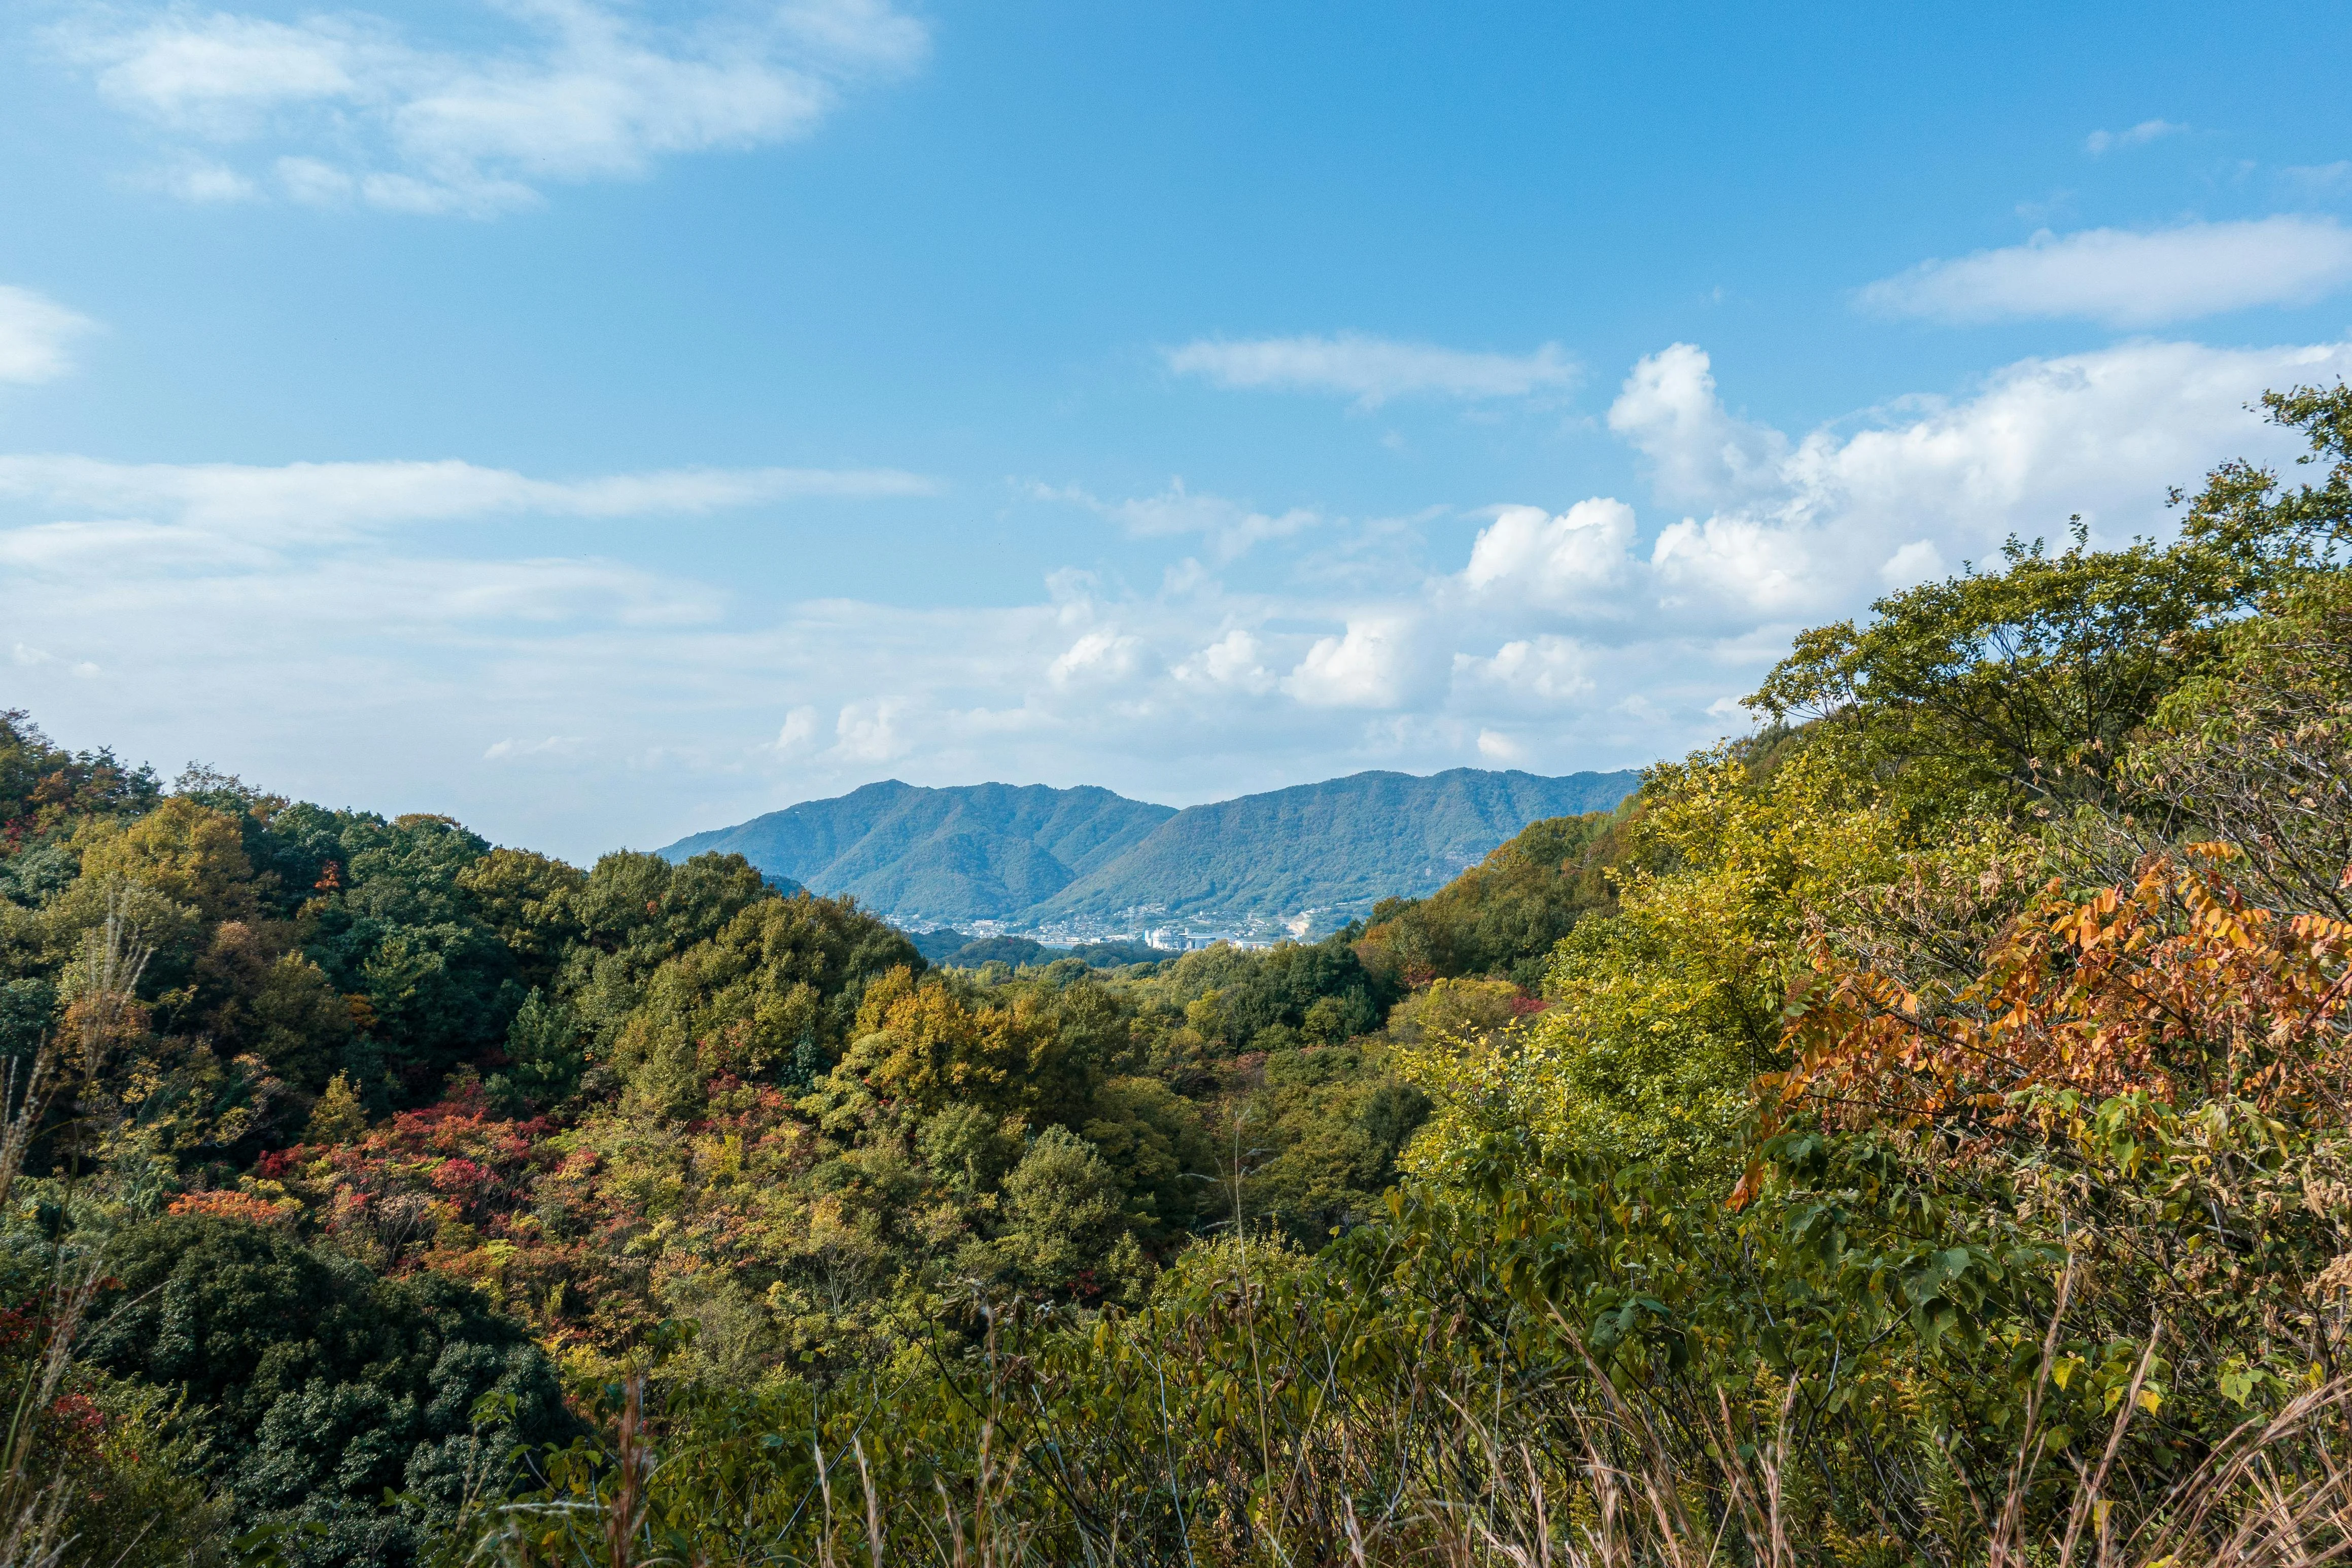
x: 1917, y: 1133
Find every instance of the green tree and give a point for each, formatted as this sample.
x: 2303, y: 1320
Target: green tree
x: 317, y: 1385
x: 1991, y: 688
x: 1063, y: 1210
x: 1502, y: 916
x: 529, y: 900
x: 44, y: 786
x: 547, y: 1051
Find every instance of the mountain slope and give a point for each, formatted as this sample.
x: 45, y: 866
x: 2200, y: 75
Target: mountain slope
x: 1340, y: 845
x: 1033, y: 854
x: 975, y: 852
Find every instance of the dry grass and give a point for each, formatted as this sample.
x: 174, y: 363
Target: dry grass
x: 36, y: 1488
x: 1430, y: 1475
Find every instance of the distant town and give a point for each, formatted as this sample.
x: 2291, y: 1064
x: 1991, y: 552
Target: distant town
x: 1170, y: 935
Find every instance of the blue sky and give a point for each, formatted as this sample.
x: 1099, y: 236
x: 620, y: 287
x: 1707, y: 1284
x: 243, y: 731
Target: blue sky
x: 603, y: 421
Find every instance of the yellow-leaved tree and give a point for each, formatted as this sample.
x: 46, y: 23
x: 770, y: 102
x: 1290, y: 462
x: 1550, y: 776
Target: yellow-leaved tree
x: 1660, y: 1017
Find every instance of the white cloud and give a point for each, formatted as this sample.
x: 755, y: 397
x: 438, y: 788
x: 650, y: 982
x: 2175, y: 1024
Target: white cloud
x: 252, y: 500
x: 346, y: 106
x: 1371, y: 370
x: 349, y: 592
x: 797, y: 732
x: 1546, y: 669
x: 1668, y: 410
x: 357, y: 661
x: 2140, y: 135
x: 1236, y: 660
x: 1231, y: 529
x: 1576, y: 559
x: 554, y: 745
x: 868, y: 733
x: 1750, y: 566
x: 1498, y: 748
x: 204, y: 182
x: 33, y: 332
x: 1844, y: 515
x: 1365, y: 666
x: 2319, y: 179
x: 2098, y: 433
x: 1916, y: 562
x: 26, y: 658
x: 2130, y: 278
x: 1100, y: 657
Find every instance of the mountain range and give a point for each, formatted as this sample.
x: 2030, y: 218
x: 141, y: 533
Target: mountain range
x: 1033, y: 856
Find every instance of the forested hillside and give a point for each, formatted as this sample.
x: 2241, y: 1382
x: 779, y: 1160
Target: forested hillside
x: 1030, y: 854
x: 358, y: 1122
x: 1920, y: 1132
x: 1340, y: 845
x: 981, y: 851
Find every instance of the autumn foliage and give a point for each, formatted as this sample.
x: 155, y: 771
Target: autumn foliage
x: 2173, y: 987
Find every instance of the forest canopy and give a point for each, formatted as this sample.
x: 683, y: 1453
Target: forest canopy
x: 1919, y: 1131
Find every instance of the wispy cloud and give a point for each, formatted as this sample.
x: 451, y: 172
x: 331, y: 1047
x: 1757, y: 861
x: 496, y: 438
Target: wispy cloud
x: 553, y: 746
x: 1230, y: 528
x: 317, y: 500
x: 347, y: 107
x: 2100, y: 143
x: 2318, y: 179
x: 1371, y: 370
x: 2130, y: 278
x: 34, y: 333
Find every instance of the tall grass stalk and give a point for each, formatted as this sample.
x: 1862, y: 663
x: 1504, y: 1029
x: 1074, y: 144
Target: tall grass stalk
x: 1256, y: 1431
x: 36, y: 1487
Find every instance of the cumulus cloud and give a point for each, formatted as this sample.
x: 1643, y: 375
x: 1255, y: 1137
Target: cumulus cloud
x: 2103, y: 142
x: 1749, y: 567
x: 1575, y: 561
x: 1236, y: 660
x: 359, y: 660
x: 1916, y: 562
x: 34, y: 333
x: 1812, y: 529
x: 1368, y: 665
x: 1371, y: 370
x: 797, y: 733
x: 1495, y: 747
x: 346, y: 106
x: 868, y: 733
x: 2130, y: 278
x: 1668, y: 411
x: 1099, y: 657
x: 1545, y: 670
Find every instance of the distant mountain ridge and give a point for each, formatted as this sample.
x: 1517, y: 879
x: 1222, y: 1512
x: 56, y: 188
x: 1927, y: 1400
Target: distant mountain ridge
x: 1344, y: 844
x: 977, y: 851
x: 1033, y: 855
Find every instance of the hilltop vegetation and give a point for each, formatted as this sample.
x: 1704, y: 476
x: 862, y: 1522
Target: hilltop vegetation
x: 364, y: 1120
x: 1504, y: 915
x: 958, y: 950
x: 1921, y: 1133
